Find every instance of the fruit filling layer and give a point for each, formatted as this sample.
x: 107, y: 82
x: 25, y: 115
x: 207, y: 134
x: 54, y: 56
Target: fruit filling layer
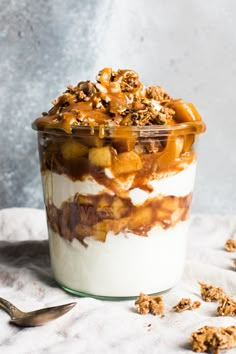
x: 86, y: 216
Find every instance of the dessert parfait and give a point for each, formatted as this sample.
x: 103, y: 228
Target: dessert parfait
x: 118, y: 163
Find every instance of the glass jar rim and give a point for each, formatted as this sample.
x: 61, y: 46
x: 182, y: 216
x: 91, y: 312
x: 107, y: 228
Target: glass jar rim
x: 196, y: 127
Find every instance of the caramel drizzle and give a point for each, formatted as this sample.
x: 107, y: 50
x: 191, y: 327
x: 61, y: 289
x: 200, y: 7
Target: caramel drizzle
x: 117, y: 98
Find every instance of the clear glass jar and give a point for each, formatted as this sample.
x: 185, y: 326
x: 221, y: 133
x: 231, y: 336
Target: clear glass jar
x: 117, y: 203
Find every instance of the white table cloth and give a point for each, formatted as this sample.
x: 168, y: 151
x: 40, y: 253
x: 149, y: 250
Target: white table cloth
x: 95, y: 326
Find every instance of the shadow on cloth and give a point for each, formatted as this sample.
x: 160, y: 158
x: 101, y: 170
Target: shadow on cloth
x: 31, y: 255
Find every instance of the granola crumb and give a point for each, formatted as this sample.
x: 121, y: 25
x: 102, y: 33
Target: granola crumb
x: 186, y: 304
x: 153, y: 304
x: 227, y: 306
x: 230, y: 245
x: 213, y: 339
x: 210, y: 293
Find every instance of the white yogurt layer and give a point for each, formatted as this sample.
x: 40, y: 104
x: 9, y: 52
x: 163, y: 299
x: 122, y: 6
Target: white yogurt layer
x: 122, y: 266
x: 178, y: 185
x: 59, y: 188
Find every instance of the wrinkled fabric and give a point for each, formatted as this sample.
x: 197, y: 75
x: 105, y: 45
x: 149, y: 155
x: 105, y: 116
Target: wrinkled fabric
x: 95, y: 326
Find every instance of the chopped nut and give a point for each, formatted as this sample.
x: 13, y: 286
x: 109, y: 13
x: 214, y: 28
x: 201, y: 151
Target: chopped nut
x: 230, y: 245
x: 152, y: 304
x: 213, y: 339
x: 82, y: 92
x: 186, y: 304
x: 227, y: 306
x: 129, y: 80
x: 210, y: 293
x: 157, y: 93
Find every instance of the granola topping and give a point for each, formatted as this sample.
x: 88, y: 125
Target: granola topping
x: 230, y: 245
x: 186, y: 304
x: 227, y: 306
x: 213, y: 339
x: 150, y: 304
x: 210, y: 293
x: 118, y: 98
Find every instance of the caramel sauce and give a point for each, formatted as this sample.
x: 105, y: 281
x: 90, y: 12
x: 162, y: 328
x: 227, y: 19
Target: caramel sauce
x: 87, y: 216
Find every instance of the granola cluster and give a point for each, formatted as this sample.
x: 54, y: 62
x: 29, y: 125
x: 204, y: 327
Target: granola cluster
x: 210, y: 293
x: 150, y: 304
x: 230, y: 245
x: 186, y: 304
x: 227, y: 306
x: 205, y: 339
x: 213, y: 339
x: 117, y: 98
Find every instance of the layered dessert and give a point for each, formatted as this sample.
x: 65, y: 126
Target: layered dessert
x: 118, y: 163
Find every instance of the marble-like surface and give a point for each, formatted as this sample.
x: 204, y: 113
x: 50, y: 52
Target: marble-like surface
x: 187, y: 46
x: 99, y: 327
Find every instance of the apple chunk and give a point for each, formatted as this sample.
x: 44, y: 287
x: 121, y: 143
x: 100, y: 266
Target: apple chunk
x: 127, y: 162
x: 172, y: 151
x: 73, y: 149
x: 101, y: 156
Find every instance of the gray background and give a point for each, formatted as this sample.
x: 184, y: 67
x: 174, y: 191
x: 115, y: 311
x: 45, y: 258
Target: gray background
x: 187, y: 46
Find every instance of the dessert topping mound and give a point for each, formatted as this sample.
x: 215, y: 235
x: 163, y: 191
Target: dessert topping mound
x: 213, y: 339
x: 210, y: 293
x: 186, y: 304
x: 227, y: 306
x: 230, y: 245
x: 150, y: 304
x: 117, y: 98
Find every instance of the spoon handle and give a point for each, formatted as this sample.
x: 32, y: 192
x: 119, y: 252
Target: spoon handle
x: 9, y: 308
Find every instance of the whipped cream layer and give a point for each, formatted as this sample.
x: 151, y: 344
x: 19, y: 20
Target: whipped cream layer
x: 59, y: 188
x: 123, y: 265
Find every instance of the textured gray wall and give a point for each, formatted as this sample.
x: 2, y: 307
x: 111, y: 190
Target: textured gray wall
x: 188, y: 46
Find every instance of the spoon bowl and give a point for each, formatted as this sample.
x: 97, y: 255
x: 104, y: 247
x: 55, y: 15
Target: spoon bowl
x: 34, y: 318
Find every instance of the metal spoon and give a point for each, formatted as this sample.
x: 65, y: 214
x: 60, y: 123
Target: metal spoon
x: 34, y: 318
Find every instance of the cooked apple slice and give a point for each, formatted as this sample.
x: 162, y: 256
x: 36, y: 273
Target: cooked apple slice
x: 188, y: 142
x: 83, y: 231
x: 184, y: 112
x: 123, y: 145
x: 92, y: 140
x: 116, y: 226
x: 176, y: 216
x: 172, y: 151
x: 123, y: 140
x: 170, y: 203
x: 119, y: 208
x: 99, y: 231
x: 101, y: 156
x: 163, y: 215
x: 142, y: 217
x: 127, y: 162
x: 73, y: 149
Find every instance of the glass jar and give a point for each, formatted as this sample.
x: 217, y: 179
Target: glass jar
x: 117, y: 203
